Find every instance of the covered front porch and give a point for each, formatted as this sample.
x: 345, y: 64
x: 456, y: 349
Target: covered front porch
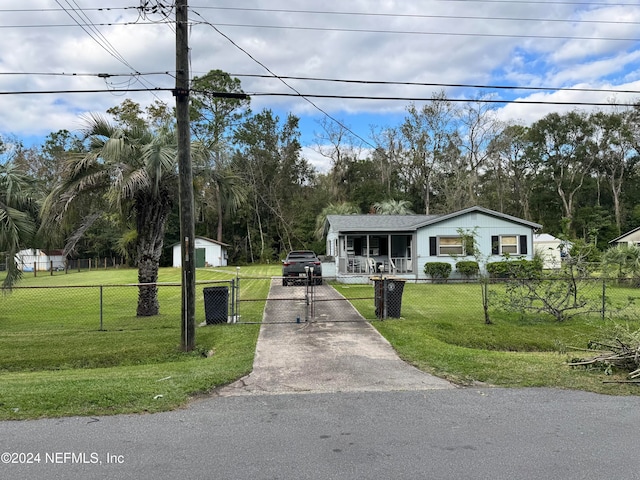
x: 375, y: 253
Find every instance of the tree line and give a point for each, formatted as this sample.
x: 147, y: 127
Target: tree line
x: 110, y: 189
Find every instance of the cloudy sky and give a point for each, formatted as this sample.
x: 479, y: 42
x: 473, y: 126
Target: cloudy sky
x: 558, y: 51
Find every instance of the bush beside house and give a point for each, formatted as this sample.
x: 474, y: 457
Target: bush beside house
x: 438, y: 270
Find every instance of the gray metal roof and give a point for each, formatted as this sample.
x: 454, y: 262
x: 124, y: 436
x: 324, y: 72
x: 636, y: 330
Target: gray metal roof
x: 408, y: 223
x: 378, y: 223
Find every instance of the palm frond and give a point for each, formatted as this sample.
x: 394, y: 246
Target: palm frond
x: 77, y: 235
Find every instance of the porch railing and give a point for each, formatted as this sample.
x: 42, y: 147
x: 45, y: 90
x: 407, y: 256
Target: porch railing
x: 372, y: 265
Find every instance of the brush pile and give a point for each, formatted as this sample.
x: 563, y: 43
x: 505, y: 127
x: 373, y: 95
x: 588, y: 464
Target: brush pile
x: 620, y: 352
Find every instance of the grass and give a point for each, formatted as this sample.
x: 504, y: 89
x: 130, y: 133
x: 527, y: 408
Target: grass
x: 56, y: 361
x: 442, y: 331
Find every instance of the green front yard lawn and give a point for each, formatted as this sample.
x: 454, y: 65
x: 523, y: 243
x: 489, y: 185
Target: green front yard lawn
x: 56, y: 361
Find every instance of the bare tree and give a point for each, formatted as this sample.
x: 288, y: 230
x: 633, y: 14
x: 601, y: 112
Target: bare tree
x: 428, y: 133
x: 479, y: 126
x: 337, y: 144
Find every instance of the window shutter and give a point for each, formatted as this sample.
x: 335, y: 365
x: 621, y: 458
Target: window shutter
x: 495, y: 245
x: 523, y: 244
x: 433, y: 246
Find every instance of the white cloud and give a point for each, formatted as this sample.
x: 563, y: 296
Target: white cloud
x: 442, y: 53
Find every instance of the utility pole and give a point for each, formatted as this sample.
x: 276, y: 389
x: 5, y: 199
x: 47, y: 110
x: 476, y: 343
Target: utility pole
x: 185, y: 174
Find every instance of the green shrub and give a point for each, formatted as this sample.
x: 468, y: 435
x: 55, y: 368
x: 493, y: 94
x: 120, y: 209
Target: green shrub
x: 437, y: 270
x: 468, y: 268
x: 515, y: 269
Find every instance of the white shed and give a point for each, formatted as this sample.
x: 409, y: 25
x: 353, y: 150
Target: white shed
x: 551, y: 249
x: 40, y: 259
x: 630, y: 238
x: 209, y: 253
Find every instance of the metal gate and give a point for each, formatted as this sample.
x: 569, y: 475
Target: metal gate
x: 305, y: 300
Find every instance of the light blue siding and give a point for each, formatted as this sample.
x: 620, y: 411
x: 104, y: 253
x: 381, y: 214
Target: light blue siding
x: 485, y: 226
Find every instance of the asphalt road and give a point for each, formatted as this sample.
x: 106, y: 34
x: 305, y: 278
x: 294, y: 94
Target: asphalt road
x: 332, y: 401
x: 433, y: 434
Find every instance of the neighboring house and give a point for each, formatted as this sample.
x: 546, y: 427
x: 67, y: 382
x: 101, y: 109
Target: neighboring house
x: 401, y: 244
x: 42, y: 260
x: 551, y: 249
x: 209, y: 253
x: 630, y: 238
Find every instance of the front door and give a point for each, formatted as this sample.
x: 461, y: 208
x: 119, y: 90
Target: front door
x: 200, y: 258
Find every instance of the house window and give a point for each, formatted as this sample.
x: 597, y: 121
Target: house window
x: 450, y: 246
x: 509, y: 245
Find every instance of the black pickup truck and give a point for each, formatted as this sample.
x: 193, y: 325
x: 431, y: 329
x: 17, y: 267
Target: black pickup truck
x: 293, y: 267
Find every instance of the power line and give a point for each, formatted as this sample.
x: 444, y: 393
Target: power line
x: 81, y: 24
x: 453, y: 85
x: 108, y: 90
x: 99, y: 75
x: 284, y: 82
x: 369, y: 30
x: 101, y: 40
x: 417, y: 16
x: 343, y: 80
x: 536, y: 2
x: 46, y: 10
x: 305, y: 96
x: 430, y: 99
x: 417, y: 32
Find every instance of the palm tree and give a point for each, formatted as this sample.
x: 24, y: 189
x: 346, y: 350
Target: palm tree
x: 17, y: 225
x: 344, y: 208
x: 393, y: 207
x: 220, y: 187
x: 132, y: 171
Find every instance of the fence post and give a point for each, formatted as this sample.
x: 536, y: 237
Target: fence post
x: 306, y: 293
x: 238, y: 293
x: 35, y: 269
x: 384, y: 297
x: 100, y: 307
x: 604, y: 293
x: 233, y: 302
x: 51, y: 267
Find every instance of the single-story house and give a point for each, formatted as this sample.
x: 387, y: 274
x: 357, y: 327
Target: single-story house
x: 551, y: 249
x: 42, y: 260
x: 209, y: 253
x: 401, y: 244
x: 630, y: 238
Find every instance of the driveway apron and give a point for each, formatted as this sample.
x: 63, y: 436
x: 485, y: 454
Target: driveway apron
x: 319, y: 356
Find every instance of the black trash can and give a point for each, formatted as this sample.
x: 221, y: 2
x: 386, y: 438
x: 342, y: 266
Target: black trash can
x: 389, y: 289
x: 216, y: 304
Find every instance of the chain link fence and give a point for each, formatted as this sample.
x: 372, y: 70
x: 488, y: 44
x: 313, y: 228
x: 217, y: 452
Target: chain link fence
x: 248, y: 300
x: 102, y: 307
x: 37, y: 267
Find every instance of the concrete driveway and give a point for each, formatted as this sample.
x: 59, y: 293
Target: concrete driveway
x: 324, y: 355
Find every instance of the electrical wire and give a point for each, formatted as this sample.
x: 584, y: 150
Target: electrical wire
x: 423, y: 33
x: 96, y: 35
x: 418, y: 16
x: 100, y: 75
x: 290, y: 87
x: 452, y: 85
x: 431, y: 99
